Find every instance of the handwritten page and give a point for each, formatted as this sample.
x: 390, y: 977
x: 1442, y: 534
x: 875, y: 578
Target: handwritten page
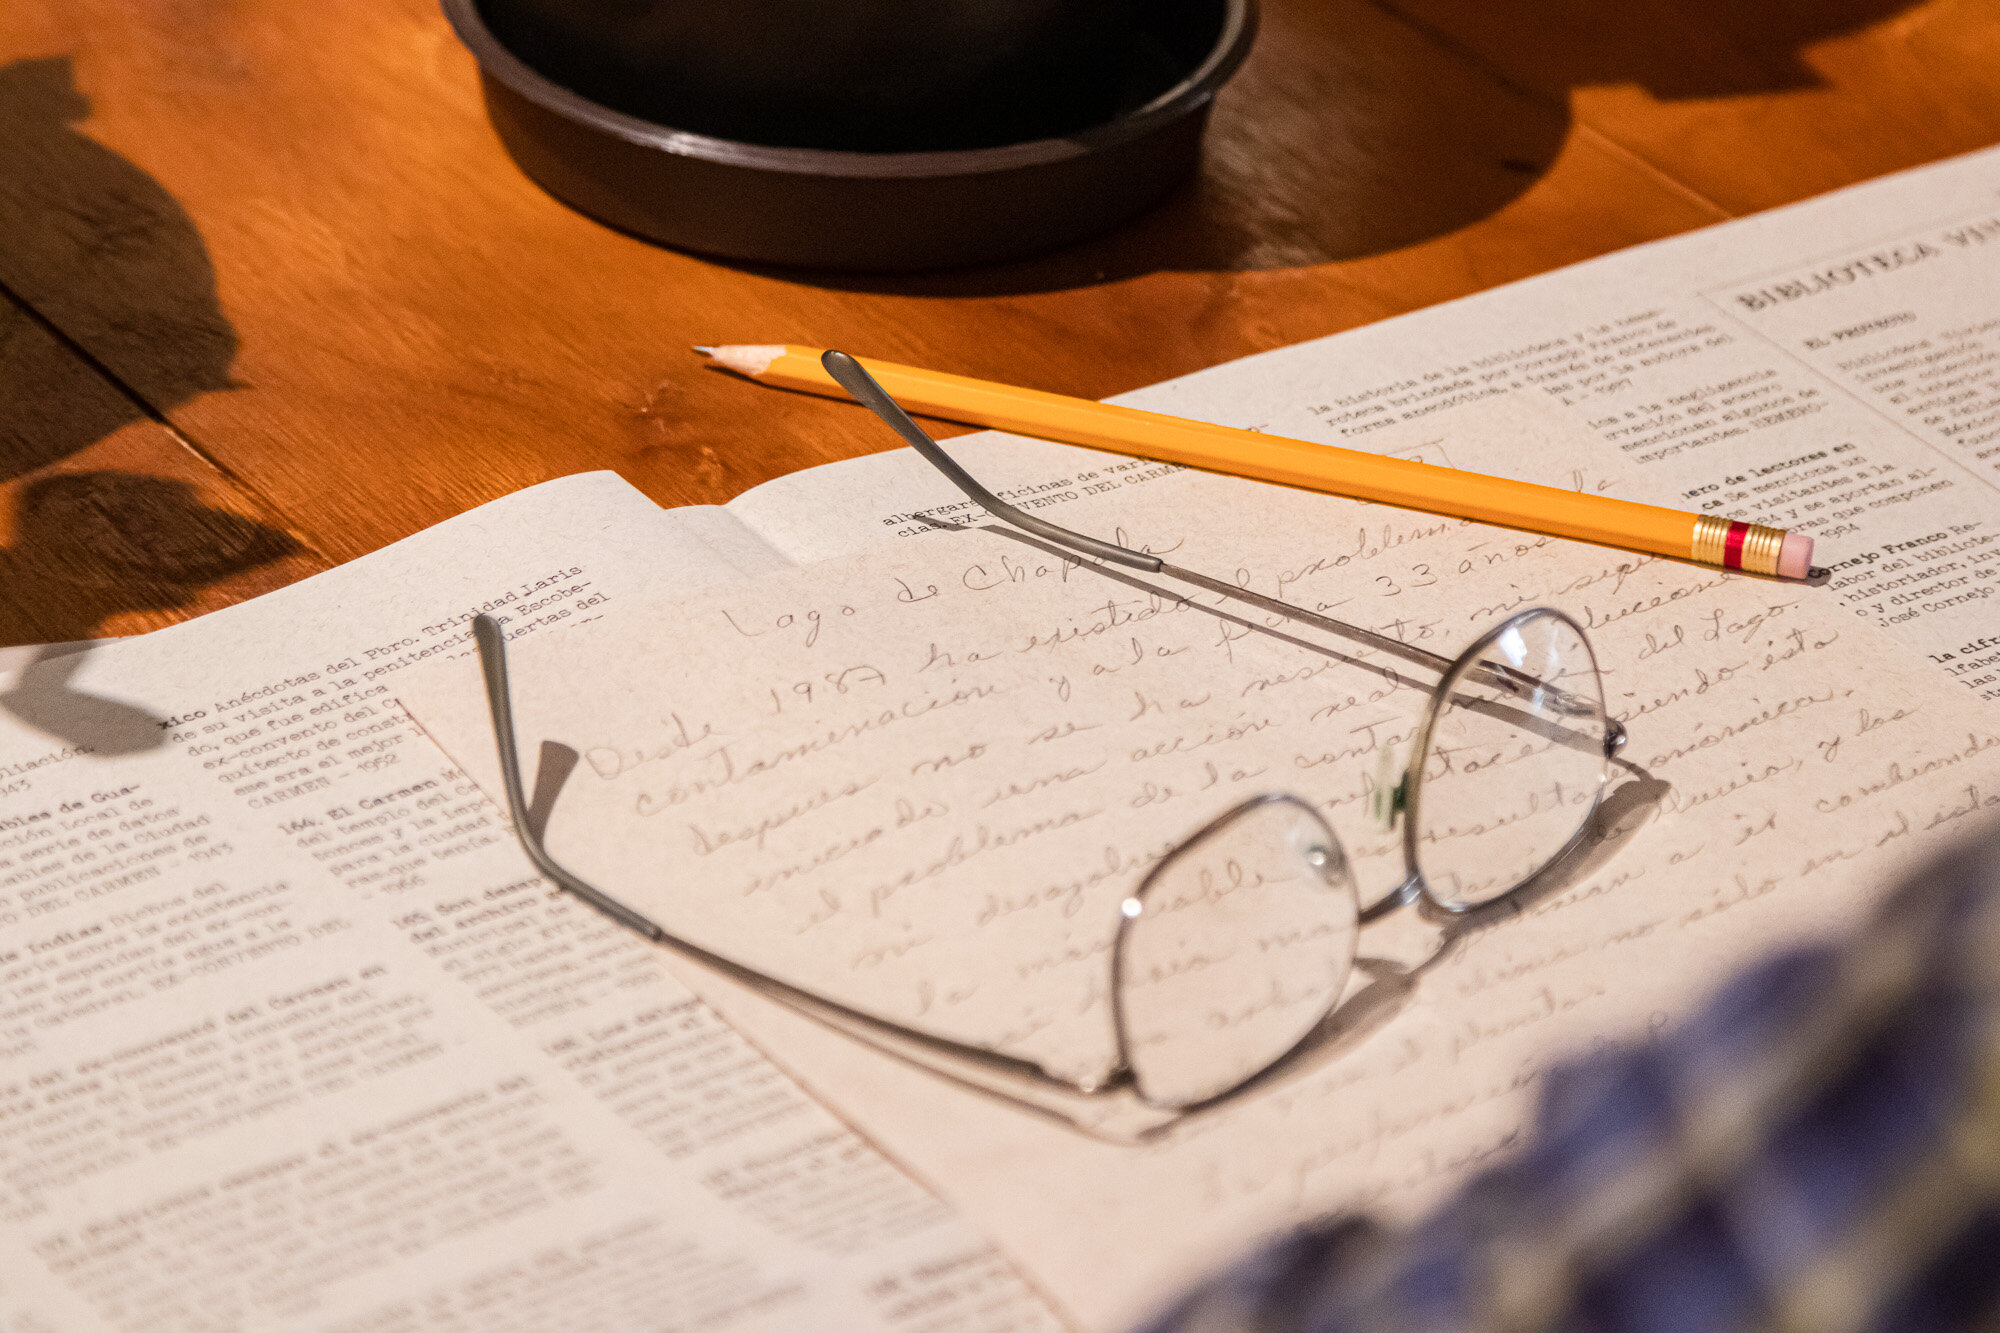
x: 1831, y: 367
x: 921, y: 780
x: 290, y: 1038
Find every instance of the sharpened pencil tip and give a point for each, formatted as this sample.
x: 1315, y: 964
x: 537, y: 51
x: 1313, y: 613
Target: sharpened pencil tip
x: 706, y: 351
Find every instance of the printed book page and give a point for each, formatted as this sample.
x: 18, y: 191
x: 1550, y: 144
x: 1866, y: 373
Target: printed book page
x: 920, y: 781
x: 1832, y: 367
x: 291, y: 1038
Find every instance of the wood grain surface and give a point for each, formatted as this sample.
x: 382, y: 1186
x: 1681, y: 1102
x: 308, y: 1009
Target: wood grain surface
x: 273, y: 255
x: 111, y: 524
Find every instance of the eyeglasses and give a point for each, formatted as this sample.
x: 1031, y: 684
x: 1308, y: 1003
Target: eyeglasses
x: 1241, y: 940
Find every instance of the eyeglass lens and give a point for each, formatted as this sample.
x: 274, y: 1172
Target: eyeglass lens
x: 1515, y: 762
x: 1232, y: 951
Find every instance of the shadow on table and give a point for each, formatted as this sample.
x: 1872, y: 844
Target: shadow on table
x: 1404, y: 133
x: 108, y: 315
x: 88, y: 546
x: 94, y: 545
x: 97, y: 256
x: 1675, y: 50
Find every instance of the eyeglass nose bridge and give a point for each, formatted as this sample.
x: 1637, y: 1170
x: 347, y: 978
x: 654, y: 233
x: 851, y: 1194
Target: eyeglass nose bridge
x: 1409, y: 891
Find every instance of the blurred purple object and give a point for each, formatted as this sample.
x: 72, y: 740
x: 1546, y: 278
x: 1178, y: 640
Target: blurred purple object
x: 1816, y: 1148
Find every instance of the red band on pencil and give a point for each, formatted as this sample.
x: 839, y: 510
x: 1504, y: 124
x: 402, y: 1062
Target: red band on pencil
x: 1732, y: 545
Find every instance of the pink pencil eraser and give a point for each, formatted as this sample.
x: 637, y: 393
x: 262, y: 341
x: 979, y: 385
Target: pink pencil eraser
x: 1795, y: 557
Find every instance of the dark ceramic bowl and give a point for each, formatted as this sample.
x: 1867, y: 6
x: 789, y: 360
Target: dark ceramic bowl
x: 925, y: 172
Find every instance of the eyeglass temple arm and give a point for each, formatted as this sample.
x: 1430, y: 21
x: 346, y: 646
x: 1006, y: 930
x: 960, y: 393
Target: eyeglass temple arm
x: 492, y: 642
x: 854, y: 377
x: 857, y: 381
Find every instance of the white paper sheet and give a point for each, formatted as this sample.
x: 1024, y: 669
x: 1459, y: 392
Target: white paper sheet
x: 289, y: 1038
x: 920, y: 780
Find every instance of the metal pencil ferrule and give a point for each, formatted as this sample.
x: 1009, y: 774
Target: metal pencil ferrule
x: 1734, y: 544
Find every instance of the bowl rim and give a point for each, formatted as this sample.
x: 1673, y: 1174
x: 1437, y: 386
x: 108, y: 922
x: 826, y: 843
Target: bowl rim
x: 1232, y: 45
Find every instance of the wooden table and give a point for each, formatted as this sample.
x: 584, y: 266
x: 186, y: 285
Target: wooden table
x: 274, y: 296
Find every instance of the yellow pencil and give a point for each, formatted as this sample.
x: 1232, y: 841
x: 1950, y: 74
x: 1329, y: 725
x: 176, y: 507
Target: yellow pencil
x: 1728, y: 543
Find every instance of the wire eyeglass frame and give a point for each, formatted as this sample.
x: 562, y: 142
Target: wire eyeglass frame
x: 1325, y: 857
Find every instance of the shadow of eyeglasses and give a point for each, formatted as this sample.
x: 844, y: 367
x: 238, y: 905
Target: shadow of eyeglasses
x: 1491, y: 675
x: 1625, y: 808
